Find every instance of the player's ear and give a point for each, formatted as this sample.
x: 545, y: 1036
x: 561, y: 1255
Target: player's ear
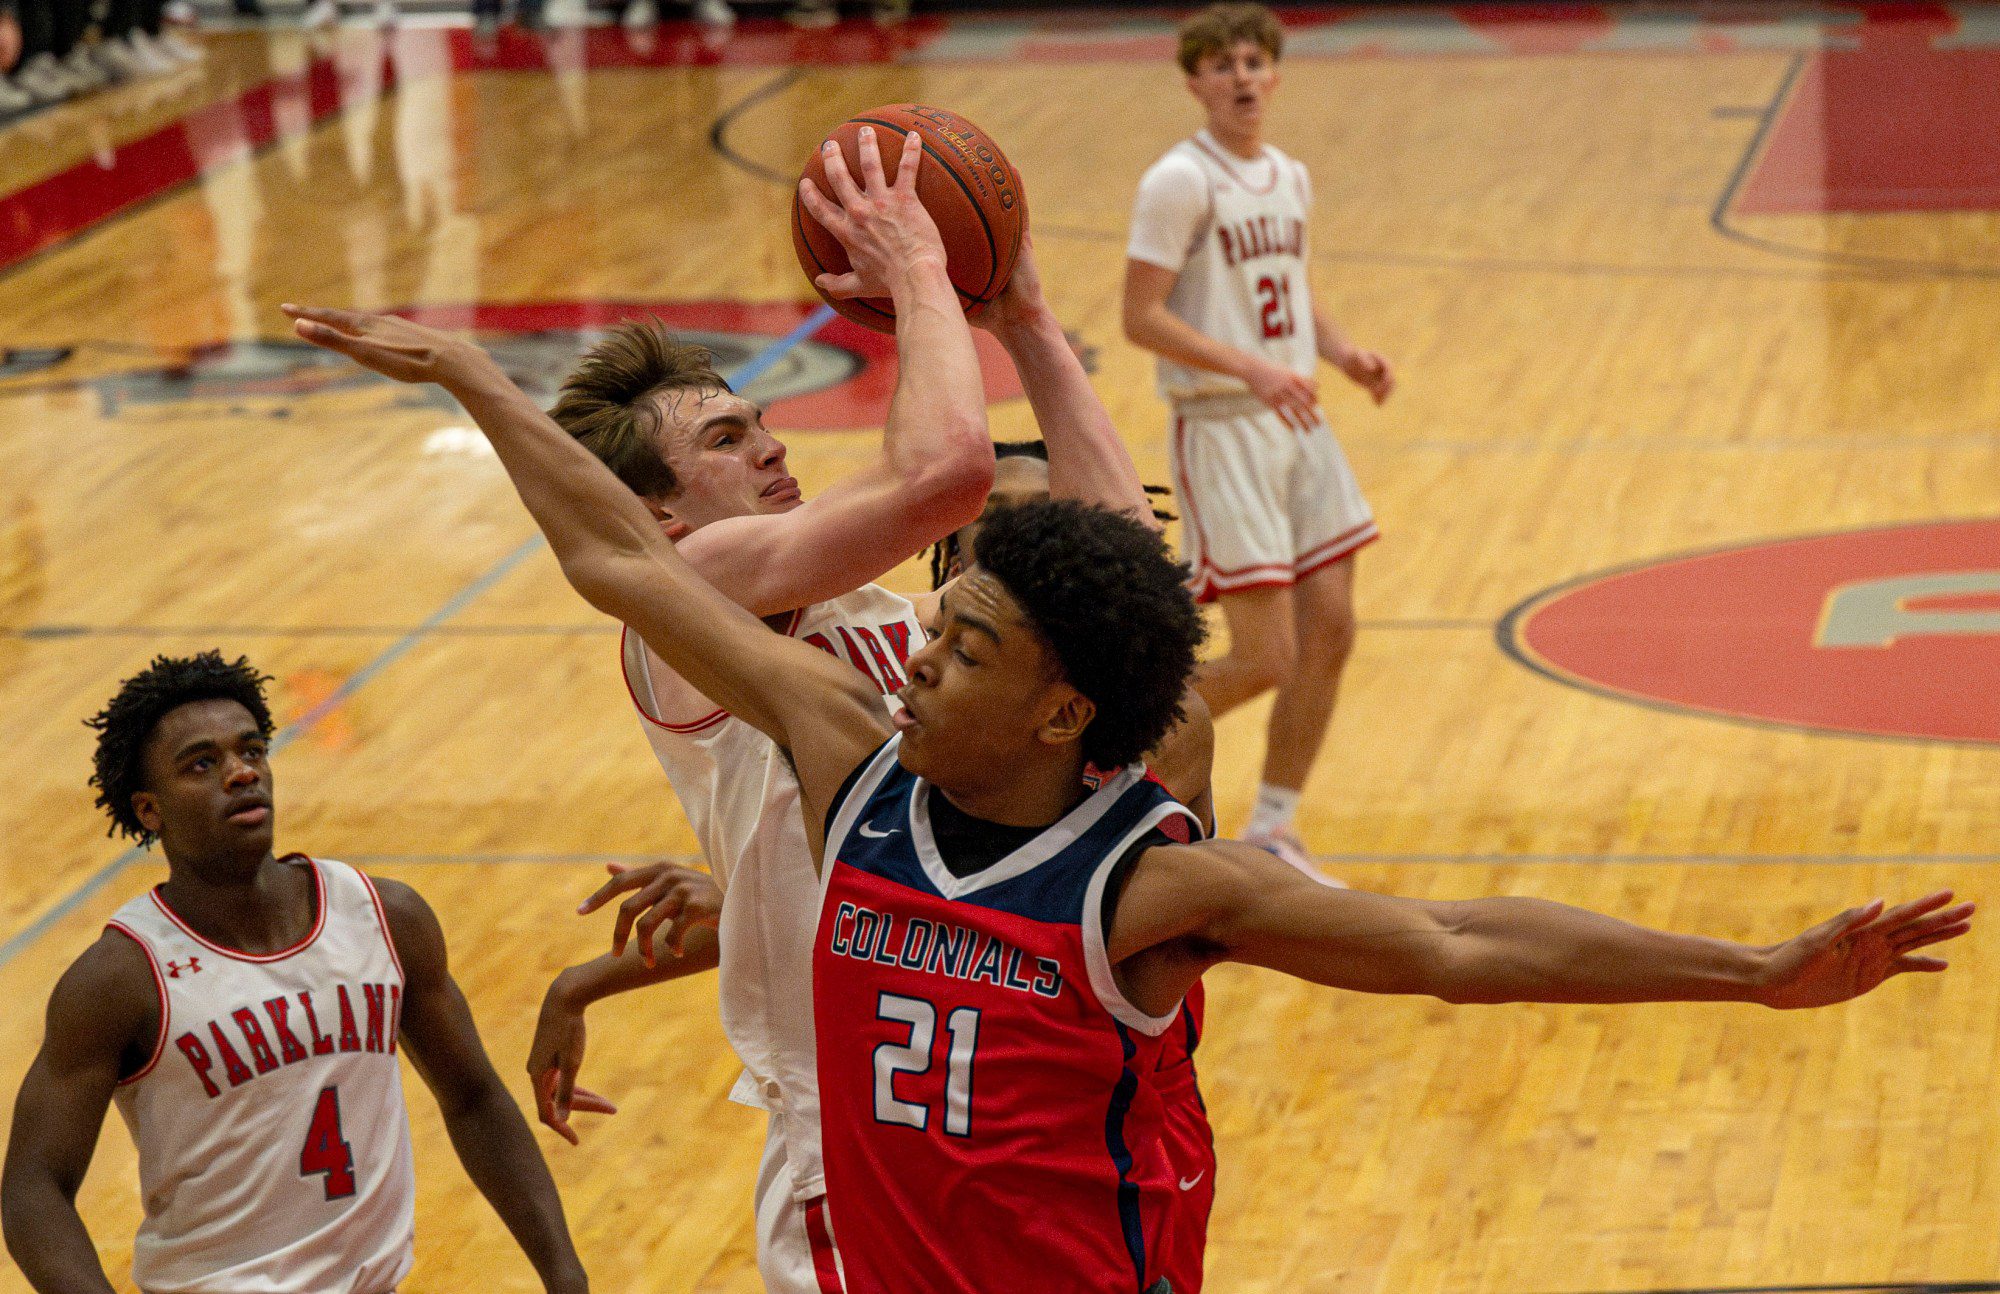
x: 674, y: 527
x: 1069, y: 719
x: 147, y: 809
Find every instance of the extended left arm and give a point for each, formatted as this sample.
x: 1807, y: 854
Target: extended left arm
x: 1242, y: 906
x: 487, y: 1129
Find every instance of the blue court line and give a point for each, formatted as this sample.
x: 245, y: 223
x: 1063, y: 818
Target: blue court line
x: 758, y: 365
x: 767, y: 359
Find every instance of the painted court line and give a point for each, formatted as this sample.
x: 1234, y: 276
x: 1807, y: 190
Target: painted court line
x: 758, y: 365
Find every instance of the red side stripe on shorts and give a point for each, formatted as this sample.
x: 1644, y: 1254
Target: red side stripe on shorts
x: 826, y: 1259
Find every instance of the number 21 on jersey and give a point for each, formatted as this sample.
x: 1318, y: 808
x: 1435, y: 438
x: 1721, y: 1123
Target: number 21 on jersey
x: 1274, y: 297
x: 913, y: 1057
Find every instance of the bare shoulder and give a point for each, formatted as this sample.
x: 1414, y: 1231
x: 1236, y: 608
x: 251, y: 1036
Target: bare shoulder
x: 1176, y: 892
x: 413, y: 925
x: 1203, y: 892
x: 108, y: 998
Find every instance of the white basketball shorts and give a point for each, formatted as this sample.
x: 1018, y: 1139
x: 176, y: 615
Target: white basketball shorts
x: 1262, y: 505
x: 795, y: 1252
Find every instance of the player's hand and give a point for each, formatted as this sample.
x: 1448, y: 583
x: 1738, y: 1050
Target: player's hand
x: 554, y: 1059
x: 880, y: 220
x: 1854, y: 952
x: 1020, y: 304
x: 1295, y: 398
x: 680, y: 898
x: 391, y: 345
x: 10, y: 42
x: 1369, y: 371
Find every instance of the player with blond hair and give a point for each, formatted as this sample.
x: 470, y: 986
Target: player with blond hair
x: 1217, y: 286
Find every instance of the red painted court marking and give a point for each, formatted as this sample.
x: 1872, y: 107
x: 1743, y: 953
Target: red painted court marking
x: 861, y: 401
x: 1739, y: 633
x: 70, y: 202
x: 1895, y: 125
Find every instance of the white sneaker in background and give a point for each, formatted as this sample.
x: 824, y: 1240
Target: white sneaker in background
x: 154, y: 60
x: 714, y: 13
x: 178, y: 47
x: 85, y: 74
x: 320, y: 13
x: 179, y: 11
x: 1289, y: 849
x: 640, y: 14
x: 384, y: 13
x: 43, y: 78
x: 13, y: 98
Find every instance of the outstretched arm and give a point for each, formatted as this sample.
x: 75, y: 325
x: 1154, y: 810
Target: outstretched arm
x: 104, y: 1007
x: 612, y: 551
x: 1087, y: 460
x: 486, y: 1127
x: 1236, y: 903
x: 689, y: 903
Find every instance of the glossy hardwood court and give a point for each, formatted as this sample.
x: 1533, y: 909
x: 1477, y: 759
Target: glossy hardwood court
x: 1656, y: 283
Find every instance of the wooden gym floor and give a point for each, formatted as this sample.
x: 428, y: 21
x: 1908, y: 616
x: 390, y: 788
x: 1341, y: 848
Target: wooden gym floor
x: 1654, y: 283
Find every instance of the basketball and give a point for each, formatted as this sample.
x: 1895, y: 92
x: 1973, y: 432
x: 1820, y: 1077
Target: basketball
x: 967, y: 184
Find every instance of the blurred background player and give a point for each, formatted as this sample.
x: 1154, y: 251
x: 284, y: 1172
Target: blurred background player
x: 245, y: 1017
x: 1216, y: 285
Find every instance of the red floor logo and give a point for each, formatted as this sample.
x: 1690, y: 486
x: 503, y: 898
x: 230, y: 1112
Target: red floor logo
x: 1891, y: 633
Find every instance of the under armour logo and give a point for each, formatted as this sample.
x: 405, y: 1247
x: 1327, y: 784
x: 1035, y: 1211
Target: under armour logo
x: 174, y: 968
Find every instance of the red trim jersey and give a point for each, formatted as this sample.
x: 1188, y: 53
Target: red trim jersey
x: 989, y: 1123
x: 1190, y: 1145
x: 274, y: 1148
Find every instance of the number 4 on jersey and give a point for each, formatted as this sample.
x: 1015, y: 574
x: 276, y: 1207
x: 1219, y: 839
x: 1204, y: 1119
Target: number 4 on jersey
x: 325, y: 1150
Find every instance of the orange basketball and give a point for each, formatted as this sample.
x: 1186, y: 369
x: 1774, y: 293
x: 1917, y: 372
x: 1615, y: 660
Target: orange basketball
x: 967, y: 184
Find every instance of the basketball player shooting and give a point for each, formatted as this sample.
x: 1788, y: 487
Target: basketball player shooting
x: 1217, y: 286
x: 713, y: 478
x: 245, y: 1017
x: 1000, y: 947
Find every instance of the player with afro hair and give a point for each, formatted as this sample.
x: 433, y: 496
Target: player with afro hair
x: 1089, y: 579
x: 124, y: 725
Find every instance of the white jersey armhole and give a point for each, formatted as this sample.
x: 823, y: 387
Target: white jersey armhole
x: 159, y: 987
x: 1096, y: 956
x: 382, y: 919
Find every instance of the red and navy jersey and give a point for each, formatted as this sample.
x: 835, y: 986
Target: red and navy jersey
x: 989, y: 1116
x: 1190, y: 1146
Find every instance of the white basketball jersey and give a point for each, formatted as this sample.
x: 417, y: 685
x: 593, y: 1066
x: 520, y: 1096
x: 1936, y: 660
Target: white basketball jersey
x: 1244, y: 279
x: 743, y: 801
x: 274, y: 1148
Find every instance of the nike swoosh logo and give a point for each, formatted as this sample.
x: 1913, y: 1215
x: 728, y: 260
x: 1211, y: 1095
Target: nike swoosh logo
x: 1189, y: 1183
x: 873, y: 834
